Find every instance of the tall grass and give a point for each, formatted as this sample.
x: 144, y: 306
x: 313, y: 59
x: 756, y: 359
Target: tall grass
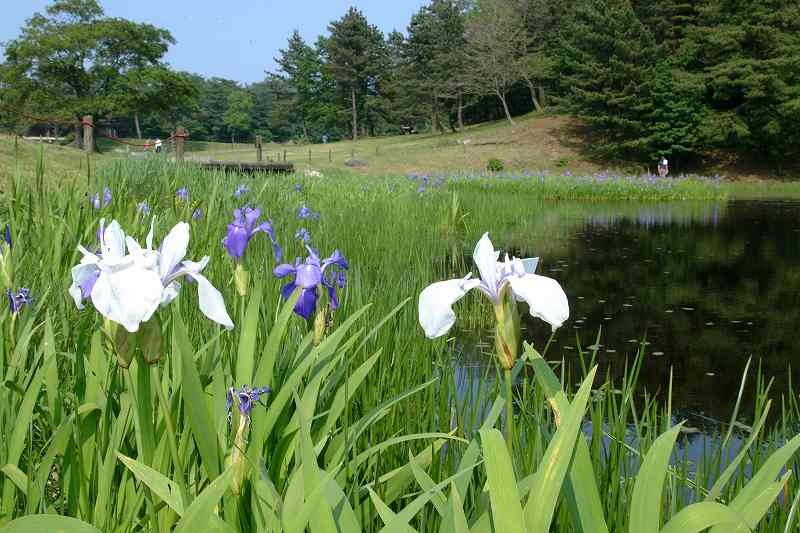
x: 369, y: 430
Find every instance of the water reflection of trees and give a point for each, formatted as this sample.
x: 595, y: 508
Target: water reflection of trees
x: 730, y: 280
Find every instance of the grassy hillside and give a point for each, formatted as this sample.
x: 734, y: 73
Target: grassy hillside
x: 59, y: 162
x: 535, y: 143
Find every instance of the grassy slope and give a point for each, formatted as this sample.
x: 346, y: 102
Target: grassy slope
x: 60, y: 162
x: 535, y: 143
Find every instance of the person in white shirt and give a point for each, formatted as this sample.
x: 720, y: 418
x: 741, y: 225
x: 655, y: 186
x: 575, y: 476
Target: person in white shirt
x: 158, y: 145
x: 663, y: 166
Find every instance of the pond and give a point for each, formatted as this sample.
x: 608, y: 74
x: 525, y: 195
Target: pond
x: 705, y: 285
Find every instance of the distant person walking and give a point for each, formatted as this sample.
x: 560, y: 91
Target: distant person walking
x: 158, y: 146
x: 325, y: 139
x: 663, y: 166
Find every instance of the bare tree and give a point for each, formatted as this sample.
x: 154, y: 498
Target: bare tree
x: 496, y: 39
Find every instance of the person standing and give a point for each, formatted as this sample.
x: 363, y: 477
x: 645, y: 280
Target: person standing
x: 158, y: 145
x: 663, y: 166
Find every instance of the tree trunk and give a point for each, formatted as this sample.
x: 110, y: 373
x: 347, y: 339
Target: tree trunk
x: 305, y: 130
x: 78, y: 136
x: 460, y: 111
x: 502, y: 98
x: 435, y: 115
x: 136, y: 123
x: 355, y: 111
x: 536, y: 105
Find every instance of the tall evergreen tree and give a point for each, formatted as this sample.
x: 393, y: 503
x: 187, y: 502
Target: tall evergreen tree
x: 302, y: 66
x: 606, y: 58
x: 356, y: 52
x: 748, y: 56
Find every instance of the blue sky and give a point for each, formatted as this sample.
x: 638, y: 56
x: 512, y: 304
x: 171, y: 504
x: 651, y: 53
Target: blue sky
x: 234, y: 39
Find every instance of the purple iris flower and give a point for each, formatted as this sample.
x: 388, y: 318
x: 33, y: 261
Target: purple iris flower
x: 421, y: 189
x: 241, y: 230
x: 107, y: 197
x: 197, y: 214
x: 303, y: 234
x: 240, y: 190
x: 182, y: 194
x: 310, y: 274
x: 143, y: 207
x: 7, y: 236
x: 298, y: 187
x: 304, y: 213
x: 246, y: 398
x: 19, y: 300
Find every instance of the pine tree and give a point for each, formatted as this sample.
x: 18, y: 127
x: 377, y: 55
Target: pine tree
x: 302, y: 66
x: 748, y: 56
x: 356, y: 54
x: 605, y: 59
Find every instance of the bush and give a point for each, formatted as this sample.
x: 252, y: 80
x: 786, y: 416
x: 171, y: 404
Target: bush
x: 494, y: 165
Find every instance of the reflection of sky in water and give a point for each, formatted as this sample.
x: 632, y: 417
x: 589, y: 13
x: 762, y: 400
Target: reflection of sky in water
x: 706, y: 284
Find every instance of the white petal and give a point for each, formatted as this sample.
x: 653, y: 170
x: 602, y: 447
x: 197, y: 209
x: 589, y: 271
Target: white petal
x: 149, y: 239
x: 170, y: 293
x: 133, y: 245
x: 173, y: 249
x: 113, y: 242
x: 530, y: 264
x: 128, y: 297
x: 211, y: 302
x: 196, y: 267
x: 436, y: 301
x: 88, y: 257
x: 486, y: 260
x: 545, y: 297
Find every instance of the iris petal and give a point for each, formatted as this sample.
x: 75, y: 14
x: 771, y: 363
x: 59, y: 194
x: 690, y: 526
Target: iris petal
x: 544, y: 296
x: 436, y: 302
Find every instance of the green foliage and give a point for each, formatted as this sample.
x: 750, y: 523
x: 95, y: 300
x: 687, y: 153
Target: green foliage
x: 359, y: 432
x: 237, y: 115
x: 494, y: 165
x: 73, y: 60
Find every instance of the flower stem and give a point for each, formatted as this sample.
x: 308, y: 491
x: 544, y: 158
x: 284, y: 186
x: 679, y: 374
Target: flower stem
x: 509, y: 413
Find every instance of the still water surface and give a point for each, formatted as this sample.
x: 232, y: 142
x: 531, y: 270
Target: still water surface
x: 707, y: 284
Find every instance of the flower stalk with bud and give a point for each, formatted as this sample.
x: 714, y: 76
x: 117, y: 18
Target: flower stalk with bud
x: 505, y: 283
x: 246, y: 399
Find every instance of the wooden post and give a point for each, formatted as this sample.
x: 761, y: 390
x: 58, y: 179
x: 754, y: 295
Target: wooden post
x: 88, y: 134
x: 284, y: 154
x: 330, y: 155
x: 180, y: 140
x: 258, y: 148
x: 309, y: 155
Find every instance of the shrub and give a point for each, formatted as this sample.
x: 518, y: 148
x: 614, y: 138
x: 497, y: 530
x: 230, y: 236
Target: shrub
x: 494, y: 165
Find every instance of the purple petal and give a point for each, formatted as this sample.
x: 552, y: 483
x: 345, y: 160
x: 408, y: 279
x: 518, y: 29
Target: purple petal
x: 236, y: 240
x: 333, y: 298
x: 88, y: 285
x: 308, y: 276
x: 281, y: 271
x: 287, y: 290
x: 251, y: 216
x: 307, y: 303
